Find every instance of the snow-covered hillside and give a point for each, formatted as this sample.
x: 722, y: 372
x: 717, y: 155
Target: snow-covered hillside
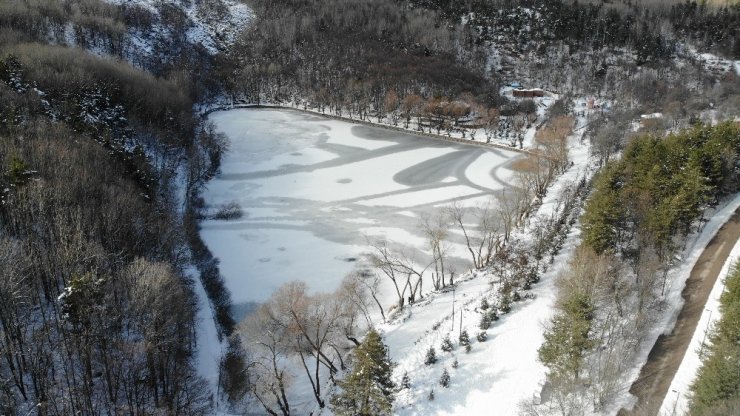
x: 212, y: 24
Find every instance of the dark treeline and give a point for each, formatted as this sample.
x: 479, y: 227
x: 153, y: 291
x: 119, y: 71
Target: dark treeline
x: 351, y: 54
x: 598, y: 24
x: 107, y: 28
x: 642, y: 208
x: 100, y: 164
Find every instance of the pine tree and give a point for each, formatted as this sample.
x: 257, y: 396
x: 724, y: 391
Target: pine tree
x: 567, y: 341
x: 484, y: 304
x: 482, y: 336
x: 447, y: 344
x: 405, y: 381
x: 485, y: 321
x: 464, y: 338
x: 368, y: 389
x: 431, y: 357
x: 444, y: 381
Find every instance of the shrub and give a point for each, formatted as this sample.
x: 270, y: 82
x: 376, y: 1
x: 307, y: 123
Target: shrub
x: 482, y: 336
x: 229, y: 211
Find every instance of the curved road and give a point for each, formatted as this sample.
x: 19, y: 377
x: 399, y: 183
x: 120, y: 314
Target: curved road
x: 656, y: 375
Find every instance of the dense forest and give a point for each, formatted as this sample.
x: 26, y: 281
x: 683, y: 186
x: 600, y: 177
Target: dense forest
x: 637, y: 218
x: 98, y: 160
x: 103, y: 156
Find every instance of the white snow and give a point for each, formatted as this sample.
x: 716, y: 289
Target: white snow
x: 500, y: 373
x: 311, y: 188
x: 209, y: 349
x: 676, y: 401
x: 213, y: 25
x: 676, y: 282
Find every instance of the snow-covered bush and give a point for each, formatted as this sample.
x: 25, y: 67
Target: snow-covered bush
x: 229, y: 211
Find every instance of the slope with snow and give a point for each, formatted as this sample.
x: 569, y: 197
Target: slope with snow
x: 676, y: 401
x: 212, y: 24
x: 501, y: 372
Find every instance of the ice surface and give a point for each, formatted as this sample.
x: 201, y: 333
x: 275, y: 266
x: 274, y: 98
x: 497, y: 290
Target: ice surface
x: 309, y: 187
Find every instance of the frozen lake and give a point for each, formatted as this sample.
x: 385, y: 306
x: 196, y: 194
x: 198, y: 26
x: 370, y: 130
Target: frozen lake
x: 313, y: 189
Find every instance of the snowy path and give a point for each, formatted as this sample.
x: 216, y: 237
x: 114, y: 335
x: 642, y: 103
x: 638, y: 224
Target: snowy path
x: 666, y: 344
x: 676, y: 401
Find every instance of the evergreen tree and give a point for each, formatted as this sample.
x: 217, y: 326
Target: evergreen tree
x: 484, y: 304
x: 447, y: 344
x: 444, y: 381
x: 485, y: 321
x: 431, y: 357
x: 368, y: 389
x: 464, y: 338
x: 482, y: 336
x: 567, y: 340
x: 405, y: 381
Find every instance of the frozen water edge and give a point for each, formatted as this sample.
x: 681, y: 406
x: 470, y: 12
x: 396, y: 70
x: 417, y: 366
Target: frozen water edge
x: 303, y: 181
x: 499, y: 374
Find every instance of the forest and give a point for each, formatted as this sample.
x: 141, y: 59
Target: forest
x: 104, y: 153
x: 638, y: 216
x: 98, y: 159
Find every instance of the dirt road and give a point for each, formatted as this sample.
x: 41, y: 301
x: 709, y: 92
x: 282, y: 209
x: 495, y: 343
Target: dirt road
x: 656, y: 375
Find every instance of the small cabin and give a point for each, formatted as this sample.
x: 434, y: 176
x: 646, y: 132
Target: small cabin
x: 536, y: 92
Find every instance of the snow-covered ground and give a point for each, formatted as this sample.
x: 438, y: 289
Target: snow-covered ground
x: 502, y: 372
x: 313, y: 189
x: 676, y: 282
x: 209, y: 349
x: 676, y: 401
x: 714, y: 63
x: 211, y: 24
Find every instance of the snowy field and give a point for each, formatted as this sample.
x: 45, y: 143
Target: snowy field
x: 314, y: 190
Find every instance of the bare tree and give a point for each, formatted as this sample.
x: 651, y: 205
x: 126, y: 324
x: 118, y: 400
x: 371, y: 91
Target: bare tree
x: 436, y: 227
x: 311, y: 322
x: 508, y: 208
x: 481, y: 239
x: 399, y: 269
x: 266, y: 344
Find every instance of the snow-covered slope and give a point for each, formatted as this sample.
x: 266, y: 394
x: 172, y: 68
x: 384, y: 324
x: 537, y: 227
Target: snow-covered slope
x: 212, y: 24
x: 502, y: 372
x: 676, y: 401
